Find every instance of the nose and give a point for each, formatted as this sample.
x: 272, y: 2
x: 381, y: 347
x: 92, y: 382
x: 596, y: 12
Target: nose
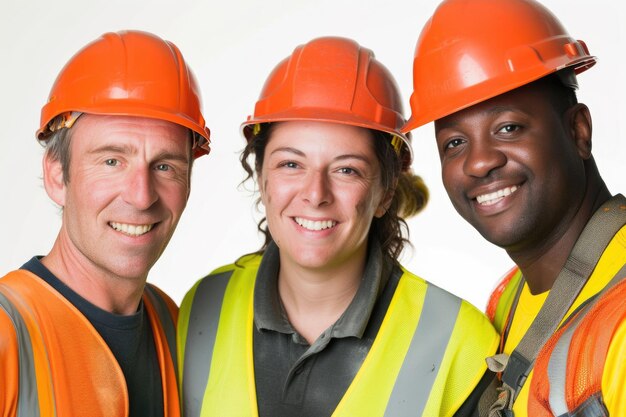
x: 139, y: 189
x: 483, y: 157
x: 316, y: 189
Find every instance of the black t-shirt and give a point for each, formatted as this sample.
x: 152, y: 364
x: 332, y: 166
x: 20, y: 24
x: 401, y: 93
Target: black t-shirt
x: 129, y: 338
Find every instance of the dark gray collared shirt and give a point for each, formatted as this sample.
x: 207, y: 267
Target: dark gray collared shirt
x: 294, y: 378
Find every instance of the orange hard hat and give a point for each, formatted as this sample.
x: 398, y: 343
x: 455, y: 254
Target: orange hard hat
x: 473, y: 50
x: 128, y: 73
x: 333, y: 79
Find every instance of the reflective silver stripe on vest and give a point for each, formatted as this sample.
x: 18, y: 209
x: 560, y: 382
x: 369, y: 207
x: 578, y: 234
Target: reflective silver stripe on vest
x: 423, y: 359
x: 27, y: 400
x: 201, y: 334
x: 557, y: 375
x: 557, y: 369
x: 165, y: 318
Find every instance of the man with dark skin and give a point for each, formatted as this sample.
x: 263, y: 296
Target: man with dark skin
x: 527, y: 144
x: 515, y: 150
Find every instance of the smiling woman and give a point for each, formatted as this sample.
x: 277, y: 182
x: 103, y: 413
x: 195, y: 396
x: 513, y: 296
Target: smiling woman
x: 323, y: 320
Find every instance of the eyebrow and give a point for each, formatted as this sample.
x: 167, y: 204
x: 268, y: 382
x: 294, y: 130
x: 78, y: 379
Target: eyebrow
x: 130, y: 150
x: 337, y: 158
x: 114, y: 149
x: 443, y: 124
x: 501, y: 109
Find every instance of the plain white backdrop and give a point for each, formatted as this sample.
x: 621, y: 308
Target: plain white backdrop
x: 232, y: 46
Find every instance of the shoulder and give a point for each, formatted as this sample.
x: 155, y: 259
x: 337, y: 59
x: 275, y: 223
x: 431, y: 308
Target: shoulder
x: 18, y: 278
x: 502, y: 297
x: 469, y: 338
x: 247, y: 264
x: 9, y: 345
x: 250, y: 261
x: 469, y: 319
x: 27, y: 289
x: 161, y: 296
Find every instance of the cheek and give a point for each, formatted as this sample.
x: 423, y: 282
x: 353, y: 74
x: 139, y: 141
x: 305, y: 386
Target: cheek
x: 367, y: 202
x: 88, y: 195
x: 266, y: 197
x: 279, y: 192
x: 176, y: 200
x: 449, y: 177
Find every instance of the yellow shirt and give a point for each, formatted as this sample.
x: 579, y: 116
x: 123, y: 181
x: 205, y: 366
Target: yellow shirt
x: 613, y: 258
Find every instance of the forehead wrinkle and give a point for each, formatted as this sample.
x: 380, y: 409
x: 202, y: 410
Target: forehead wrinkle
x: 130, y: 149
x: 115, y: 148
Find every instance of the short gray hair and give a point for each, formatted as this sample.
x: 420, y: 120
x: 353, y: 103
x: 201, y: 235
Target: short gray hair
x: 58, y: 149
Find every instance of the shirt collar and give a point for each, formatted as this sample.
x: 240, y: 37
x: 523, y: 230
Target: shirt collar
x: 269, y: 313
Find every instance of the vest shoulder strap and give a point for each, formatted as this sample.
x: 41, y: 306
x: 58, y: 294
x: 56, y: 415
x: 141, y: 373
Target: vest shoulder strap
x: 166, y: 312
x: 219, y: 370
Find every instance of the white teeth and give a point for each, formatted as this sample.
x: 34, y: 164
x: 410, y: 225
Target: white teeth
x: 131, y: 229
x: 315, y: 225
x: 492, y: 198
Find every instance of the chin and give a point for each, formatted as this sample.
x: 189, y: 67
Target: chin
x: 507, y: 238
x: 132, y: 269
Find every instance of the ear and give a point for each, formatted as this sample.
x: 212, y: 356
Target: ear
x: 53, y: 179
x: 579, y: 124
x: 386, y: 201
x: 189, y: 182
x: 261, y: 184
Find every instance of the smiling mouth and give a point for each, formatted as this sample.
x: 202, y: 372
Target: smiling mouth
x: 315, y: 225
x: 132, y: 229
x: 493, y: 198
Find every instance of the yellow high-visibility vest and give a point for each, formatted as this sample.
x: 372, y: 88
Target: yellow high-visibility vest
x: 426, y: 359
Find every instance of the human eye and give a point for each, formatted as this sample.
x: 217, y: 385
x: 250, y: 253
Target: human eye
x: 508, y: 128
x: 112, y: 162
x: 163, y: 167
x: 453, y: 143
x: 288, y: 164
x: 348, y: 171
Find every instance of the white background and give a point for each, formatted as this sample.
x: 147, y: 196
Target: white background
x: 232, y: 45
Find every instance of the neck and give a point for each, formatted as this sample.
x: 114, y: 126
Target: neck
x: 542, y: 263
x: 315, y: 299
x: 115, y: 294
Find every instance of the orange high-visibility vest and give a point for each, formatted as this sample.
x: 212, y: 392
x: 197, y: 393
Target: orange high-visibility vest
x: 53, y: 362
x: 569, y: 369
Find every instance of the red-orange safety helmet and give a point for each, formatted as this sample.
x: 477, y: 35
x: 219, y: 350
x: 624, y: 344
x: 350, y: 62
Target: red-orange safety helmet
x: 333, y: 79
x: 128, y: 73
x: 472, y: 50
